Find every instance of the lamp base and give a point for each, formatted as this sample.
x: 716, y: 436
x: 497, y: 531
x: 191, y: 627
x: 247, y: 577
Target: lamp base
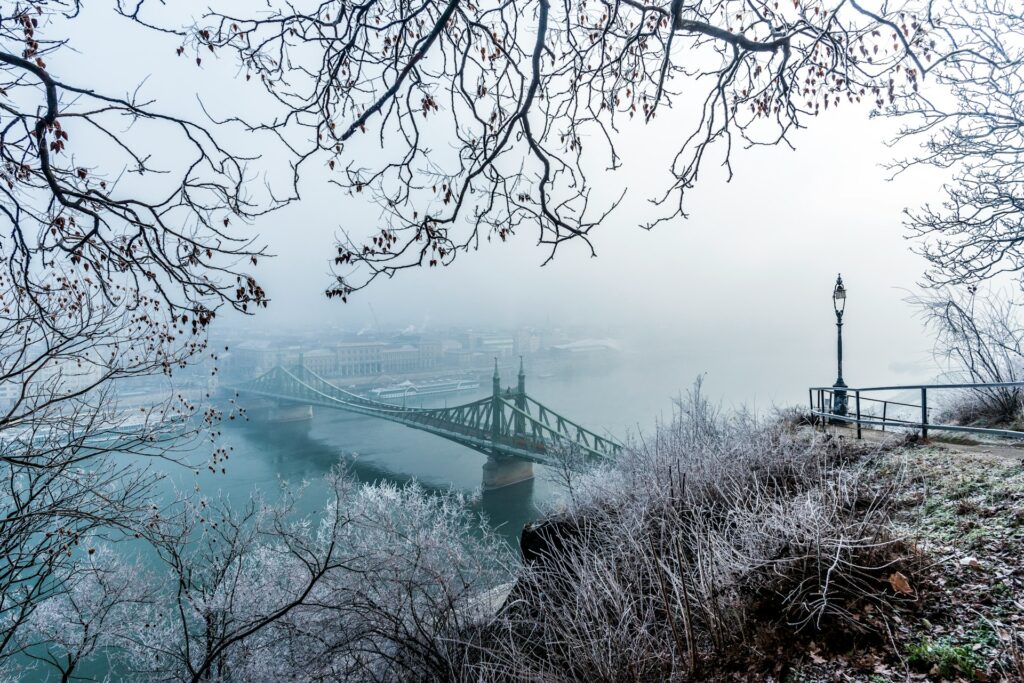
x: 840, y: 399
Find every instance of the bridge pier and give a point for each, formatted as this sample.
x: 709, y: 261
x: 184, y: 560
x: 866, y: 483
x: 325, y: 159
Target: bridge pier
x: 499, y: 472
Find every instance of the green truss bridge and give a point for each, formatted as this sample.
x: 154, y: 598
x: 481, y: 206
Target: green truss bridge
x: 511, y: 428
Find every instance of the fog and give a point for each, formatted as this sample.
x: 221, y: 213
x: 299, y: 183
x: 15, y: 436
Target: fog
x: 741, y: 290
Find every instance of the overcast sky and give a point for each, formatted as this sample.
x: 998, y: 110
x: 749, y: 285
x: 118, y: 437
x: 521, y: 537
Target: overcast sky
x: 744, y: 284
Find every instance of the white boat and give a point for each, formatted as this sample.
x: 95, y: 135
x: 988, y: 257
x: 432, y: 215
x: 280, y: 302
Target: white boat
x: 437, y: 387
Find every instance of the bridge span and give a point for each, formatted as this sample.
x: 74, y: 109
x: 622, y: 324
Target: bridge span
x: 510, y: 427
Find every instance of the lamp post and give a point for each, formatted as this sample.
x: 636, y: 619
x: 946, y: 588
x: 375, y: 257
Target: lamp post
x: 839, y: 398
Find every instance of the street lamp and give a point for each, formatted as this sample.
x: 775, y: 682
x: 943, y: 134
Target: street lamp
x: 839, y: 398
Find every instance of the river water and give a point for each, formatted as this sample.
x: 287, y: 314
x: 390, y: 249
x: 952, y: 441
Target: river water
x: 620, y: 396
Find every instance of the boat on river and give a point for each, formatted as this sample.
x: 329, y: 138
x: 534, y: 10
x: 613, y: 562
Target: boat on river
x: 437, y: 387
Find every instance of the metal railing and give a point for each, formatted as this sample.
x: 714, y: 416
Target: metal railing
x: 822, y: 400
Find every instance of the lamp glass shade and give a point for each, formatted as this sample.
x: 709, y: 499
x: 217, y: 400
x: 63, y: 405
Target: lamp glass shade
x: 839, y: 295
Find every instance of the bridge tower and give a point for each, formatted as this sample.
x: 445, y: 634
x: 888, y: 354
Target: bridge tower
x: 500, y: 471
x: 520, y: 420
x: 288, y: 411
x: 495, y: 405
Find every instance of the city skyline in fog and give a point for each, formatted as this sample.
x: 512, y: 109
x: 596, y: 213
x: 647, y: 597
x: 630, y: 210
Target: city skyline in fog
x: 744, y: 283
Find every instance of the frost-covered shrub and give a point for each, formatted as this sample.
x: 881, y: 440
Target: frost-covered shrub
x: 90, y: 615
x: 980, y: 337
x: 702, y: 544
x: 376, y: 587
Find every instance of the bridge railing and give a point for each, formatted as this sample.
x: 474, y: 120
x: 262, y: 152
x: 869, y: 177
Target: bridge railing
x: 859, y: 408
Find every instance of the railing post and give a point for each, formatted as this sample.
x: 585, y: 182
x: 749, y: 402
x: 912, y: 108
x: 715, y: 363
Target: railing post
x: 857, y: 395
x: 924, y: 413
x: 885, y: 410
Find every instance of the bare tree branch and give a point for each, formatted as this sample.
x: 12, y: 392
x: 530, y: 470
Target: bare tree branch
x: 465, y: 121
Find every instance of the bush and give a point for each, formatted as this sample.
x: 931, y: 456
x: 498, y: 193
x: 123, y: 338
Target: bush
x: 979, y: 336
x: 378, y: 586
x: 708, y: 547
x: 996, y: 408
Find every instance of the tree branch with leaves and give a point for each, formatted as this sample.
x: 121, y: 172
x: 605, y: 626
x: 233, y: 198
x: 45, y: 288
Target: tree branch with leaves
x: 116, y: 255
x: 467, y: 121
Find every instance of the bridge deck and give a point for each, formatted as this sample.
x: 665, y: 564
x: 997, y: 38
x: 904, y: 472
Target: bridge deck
x: 505, y: 424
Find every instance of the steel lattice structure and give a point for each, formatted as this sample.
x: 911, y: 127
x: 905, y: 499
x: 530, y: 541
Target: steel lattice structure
x: 506, y: 424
